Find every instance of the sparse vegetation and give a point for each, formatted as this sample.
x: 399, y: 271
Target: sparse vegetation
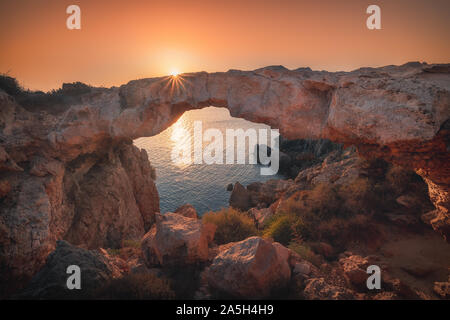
x: 332, y: 213
x: 339, y: 214
x: 232, y: 225
x: 340, y: 231
x: 9, y: 85
x: 280, y: 229
x: 54, y: 101
x: 136, y: 286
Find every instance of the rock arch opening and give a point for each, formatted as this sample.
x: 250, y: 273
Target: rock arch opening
x: 180, y: 181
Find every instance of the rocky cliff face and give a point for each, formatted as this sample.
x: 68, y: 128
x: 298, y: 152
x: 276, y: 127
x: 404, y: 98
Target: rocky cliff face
x: 99, y: 198
x: 71, y: 173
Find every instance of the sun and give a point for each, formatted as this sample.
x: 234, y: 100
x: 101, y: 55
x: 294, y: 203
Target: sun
x: 174, y: 72
x: 175, y: 82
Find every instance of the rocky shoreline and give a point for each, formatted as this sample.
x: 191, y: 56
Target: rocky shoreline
x: 183, y: 250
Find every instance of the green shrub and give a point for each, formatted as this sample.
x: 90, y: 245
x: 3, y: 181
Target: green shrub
x: 232, y: 225
x: 280, y: 229
x: 136, y: 286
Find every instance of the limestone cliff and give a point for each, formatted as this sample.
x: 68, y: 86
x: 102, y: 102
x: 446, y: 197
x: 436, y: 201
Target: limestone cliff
x: 69, y: 171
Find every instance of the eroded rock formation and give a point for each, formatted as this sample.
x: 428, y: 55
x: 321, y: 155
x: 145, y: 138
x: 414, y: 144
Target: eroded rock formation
x: 69, y: 172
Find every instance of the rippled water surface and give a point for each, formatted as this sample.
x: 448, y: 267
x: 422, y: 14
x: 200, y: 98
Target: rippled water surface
x: 202, y: 185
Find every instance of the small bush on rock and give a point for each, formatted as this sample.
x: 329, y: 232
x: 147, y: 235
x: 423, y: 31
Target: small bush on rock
x: 280, y: 229
x: 232, y: 225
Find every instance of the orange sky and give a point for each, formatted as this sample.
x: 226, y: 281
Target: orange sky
x: 124, y: 40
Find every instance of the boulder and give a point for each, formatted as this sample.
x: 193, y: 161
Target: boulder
x: 261, y: 216
x: 176, y: 240
x: 302, y: 268
x: 252, y: 268
x: 338, y: 170
x: 240, y: 197
x: 188, y: 211
x: 284, y: 256
x: 51, y: 281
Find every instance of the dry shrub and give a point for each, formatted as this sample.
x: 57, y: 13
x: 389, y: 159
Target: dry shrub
x: 332, y: 213
x: 325, y: 201
x: 136, y: 286
x: 359, y: 196
x: 340, y: 214
x: 340, y: 231
x: 232, y: 225
x: 298, y: 216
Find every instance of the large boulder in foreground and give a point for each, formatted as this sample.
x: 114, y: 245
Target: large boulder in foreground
x: 176, y: 240
x: 51, y: 281
x: 252, y: 268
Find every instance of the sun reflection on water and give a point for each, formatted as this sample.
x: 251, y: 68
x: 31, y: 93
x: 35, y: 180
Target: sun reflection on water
x: 180, y: 138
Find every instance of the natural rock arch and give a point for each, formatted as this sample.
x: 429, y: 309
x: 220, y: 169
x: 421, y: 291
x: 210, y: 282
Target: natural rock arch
x: 399, y: 113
